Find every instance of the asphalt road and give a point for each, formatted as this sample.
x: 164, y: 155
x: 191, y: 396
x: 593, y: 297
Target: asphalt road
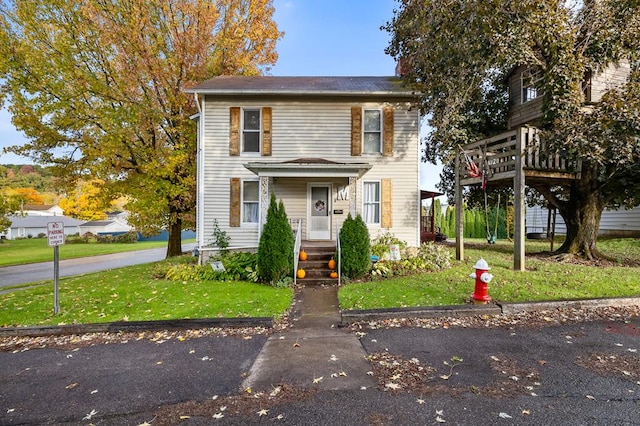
x: 21, y: 274
x: 503, y: 375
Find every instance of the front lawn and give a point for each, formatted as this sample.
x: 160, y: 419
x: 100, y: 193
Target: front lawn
x: 133, y: 294
x: 544, y: 279
x: 33, y: 250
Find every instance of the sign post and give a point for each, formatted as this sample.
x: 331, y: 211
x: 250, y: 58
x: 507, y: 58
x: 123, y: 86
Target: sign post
x: 55, y: 238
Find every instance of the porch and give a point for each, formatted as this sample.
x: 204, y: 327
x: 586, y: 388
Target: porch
x: 428, y: 230
x: 518, y: 157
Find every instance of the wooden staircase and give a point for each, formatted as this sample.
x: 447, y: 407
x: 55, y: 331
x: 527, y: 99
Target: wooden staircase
x: 317, y: 263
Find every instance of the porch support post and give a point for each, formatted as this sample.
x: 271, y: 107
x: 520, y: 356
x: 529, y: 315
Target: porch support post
x: 518, y: 201
x: 264, y: 202
x: 353, y: 196
x: 459, y: 212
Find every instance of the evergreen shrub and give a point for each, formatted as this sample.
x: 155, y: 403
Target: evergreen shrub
x: 275, y: 250
x: 355, y: 247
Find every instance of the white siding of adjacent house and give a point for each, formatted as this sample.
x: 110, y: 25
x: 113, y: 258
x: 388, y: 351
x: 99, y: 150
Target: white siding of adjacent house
x: 307, y: 130
x: 613, y: 222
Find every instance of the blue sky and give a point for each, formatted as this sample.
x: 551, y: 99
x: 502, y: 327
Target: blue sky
x: 322, y: 38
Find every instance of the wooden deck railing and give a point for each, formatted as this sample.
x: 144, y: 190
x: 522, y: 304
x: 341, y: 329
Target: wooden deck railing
x: 496, y: 156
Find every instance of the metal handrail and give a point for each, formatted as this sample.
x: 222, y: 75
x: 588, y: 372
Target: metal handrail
x: 296, y: 251
x: 338, y: 250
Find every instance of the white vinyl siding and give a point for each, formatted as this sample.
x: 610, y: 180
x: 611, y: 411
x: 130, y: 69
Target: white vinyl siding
x: 305, y: 129
x: 371, y: 202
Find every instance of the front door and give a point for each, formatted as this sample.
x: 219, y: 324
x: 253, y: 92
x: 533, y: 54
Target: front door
x: 319, y: 211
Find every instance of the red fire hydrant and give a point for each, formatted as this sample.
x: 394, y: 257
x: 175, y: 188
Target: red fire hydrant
x: 482, y: 277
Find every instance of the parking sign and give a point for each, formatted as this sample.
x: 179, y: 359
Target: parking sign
x: 55, y: 233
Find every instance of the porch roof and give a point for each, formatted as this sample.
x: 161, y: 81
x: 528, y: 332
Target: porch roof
x: 308, y: 167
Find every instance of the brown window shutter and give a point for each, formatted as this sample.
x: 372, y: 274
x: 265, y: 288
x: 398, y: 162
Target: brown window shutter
x: 266, y: 131
x: 356, y: 131
x: 387, y: 131
x: 234, y: 202
x: 234, y: 131
x: 387, y: 219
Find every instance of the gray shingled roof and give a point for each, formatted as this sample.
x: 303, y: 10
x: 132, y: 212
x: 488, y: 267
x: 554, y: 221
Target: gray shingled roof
x: 98, y: 223
x: 269, y: 85
x: 41, y: 221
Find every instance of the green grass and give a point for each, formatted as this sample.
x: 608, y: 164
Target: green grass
x: 544, y: 279
x: 132, y: 294
x: 32, y: 250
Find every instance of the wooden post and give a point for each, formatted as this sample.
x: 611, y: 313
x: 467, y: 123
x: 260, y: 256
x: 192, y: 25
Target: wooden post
x: 459, y: 212
x: 518, y: 201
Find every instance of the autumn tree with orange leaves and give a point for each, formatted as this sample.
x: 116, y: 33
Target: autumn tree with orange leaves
x: 97, y: 88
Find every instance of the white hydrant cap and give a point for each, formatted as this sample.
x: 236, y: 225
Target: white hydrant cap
x: 482, y: 264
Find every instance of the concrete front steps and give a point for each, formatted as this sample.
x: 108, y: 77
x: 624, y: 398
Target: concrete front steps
x: 317, y: 263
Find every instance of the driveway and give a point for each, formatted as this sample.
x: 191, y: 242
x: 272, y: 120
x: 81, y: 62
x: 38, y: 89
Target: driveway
x: 22, y: 274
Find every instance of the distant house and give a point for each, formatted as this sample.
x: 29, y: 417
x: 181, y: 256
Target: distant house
x: 616, y: 223
x: 116, y: 223
x: 31, y: 226
x: 42, y: 210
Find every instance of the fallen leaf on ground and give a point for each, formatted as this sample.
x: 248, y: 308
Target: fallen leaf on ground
x: 317, y: 379
x: 262, y: 412
x: 90, y: 415
x: 504, y: 416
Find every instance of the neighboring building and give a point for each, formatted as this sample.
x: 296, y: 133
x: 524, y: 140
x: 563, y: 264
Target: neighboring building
x: 525, y: 96
x: 42, y: 210
x: 116, y: 223
x: 620, y: 223
x: 326, y: 146
x: 32, y: 226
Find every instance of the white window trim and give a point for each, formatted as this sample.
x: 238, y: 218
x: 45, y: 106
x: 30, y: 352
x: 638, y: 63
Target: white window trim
x: 528, y: 80
x: 364, y: 132
x: 259, y: 131
x: 379, y: 202
x: 242, y: 203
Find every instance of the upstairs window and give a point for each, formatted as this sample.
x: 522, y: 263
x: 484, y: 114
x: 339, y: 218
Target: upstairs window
x: 531, y: 84
x: 372, y: 131
x: 251, y: 130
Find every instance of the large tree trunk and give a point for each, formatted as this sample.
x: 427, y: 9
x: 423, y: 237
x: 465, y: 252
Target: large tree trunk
x: 582, y: 218
x: 174, y: 247
x: 582, y: 213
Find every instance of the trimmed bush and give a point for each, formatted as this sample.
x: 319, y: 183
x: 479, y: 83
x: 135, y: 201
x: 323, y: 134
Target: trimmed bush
x: 275, y: 250
x: 380, y: 246
x: 355, y: 248
x: 128, y: 238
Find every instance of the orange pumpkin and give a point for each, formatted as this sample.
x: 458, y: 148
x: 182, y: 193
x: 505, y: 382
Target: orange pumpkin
x: 301, y: 273
x: 333, y: 274
x: 303, y: 255
x: 332, y: 264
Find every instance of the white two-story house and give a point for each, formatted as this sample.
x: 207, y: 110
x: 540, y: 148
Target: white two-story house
x: 326, y: 146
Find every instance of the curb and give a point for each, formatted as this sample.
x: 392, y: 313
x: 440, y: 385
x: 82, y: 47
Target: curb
x: 418, y: 312
x: 513, y: 308
x: 489, y: 309
x: 132, y: 326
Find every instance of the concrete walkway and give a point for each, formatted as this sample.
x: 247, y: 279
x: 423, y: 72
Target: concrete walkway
x: 315, y: 353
